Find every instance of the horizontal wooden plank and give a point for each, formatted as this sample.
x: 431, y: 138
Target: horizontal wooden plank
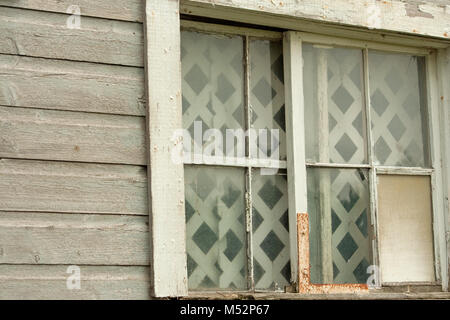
x: 51, y: 186
x: 129, y: 10
x: 68, y: 85
x: 71, y: 136
x: 78, y: 239
x: 50, y: 282
x: 45, y: 34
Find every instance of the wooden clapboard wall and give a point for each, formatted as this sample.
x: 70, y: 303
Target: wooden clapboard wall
x: 73, y: 184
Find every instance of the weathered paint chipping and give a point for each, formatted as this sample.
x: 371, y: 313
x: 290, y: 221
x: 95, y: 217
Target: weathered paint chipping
x: 430, y: 18
x: 304, y: 275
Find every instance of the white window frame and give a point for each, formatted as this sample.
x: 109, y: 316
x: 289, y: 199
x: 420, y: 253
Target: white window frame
x: 249, y: 162
x: 296, y: 138
x: 168, y: 274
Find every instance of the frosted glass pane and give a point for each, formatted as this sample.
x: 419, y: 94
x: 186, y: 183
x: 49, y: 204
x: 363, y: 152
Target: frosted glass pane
x: 334, y: 117
x: 338, y: 207
x: 215, y: 227
x: 212, y: 84
x: 270, y: 232
x: 398, y: 104
x: 267, y: 95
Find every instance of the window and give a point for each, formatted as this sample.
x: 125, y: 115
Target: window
x: 366, y: 122
x: 355, y: 128
x: 235, y: 162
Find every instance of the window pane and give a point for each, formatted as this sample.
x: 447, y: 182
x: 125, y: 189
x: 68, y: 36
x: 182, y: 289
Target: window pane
x: 215, y: 227
x: 212, y: 84
x: 270, y: 231
x: 267, y: 95
x: 334, y: 104
x: 405, y: 229
x: 338, y: 207
x: 398, y: 104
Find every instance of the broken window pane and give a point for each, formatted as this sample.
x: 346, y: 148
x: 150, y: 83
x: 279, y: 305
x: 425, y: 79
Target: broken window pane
x: 405, y: 228
x: 398, y: 109
x: 212, y: 86
x: 270, y: 229
x: 267, y: 96
x: 338, y: 207
x: 334, y: 105
x: 215, y: 227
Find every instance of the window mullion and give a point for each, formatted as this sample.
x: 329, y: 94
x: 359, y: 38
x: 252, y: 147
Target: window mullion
x: 248, y: 192
x: 372, y: 170
x: 295, y: 138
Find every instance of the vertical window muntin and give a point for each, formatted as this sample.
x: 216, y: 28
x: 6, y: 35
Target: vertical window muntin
x: 371, y: 166
x: 251, y: 166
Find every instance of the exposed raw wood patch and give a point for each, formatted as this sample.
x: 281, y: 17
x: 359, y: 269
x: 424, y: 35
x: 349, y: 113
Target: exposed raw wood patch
x: 413, y: 10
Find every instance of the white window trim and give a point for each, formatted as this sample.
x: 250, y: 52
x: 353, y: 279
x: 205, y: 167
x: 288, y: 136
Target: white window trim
x: 296, y: 138
x: 163, y: 66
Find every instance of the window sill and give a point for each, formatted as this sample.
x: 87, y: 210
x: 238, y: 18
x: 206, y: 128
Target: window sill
x: 376, y: 294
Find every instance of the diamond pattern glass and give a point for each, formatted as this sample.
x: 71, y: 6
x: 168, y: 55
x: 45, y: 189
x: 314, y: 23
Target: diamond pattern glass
x: 212, y: 83
x: 338, y: 205
x: 213, y: 91
x: 216, y: 228
x: 334, y: 104
x: 267, y: 92
x: 270, y: 232
x: 398, y: 106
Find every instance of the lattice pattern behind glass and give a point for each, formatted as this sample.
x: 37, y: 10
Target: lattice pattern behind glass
x: 213, y: 72
x: 398, y: 109
x: 338, y: 200
x: 335, y: 127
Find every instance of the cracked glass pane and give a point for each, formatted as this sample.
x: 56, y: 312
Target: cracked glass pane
x: 338, y: 207
x: 334, y: 105
x: 398, y: 109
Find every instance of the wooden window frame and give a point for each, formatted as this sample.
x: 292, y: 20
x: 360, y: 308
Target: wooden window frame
x: 295, y: 105
x: 166, y: 203
x: 249, y: 163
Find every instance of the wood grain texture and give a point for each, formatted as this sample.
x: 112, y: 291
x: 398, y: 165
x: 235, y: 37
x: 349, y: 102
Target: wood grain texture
x: 443, y: 76
x: 295, y: 139
x: 73, y: 239
x: 51, y: 186
x: 25, y: 282
x: 67, y: 85
x: 413, y: 17
x: 129, y: 10
x: 27, y: 133
x: 166, y: 179
x: 45, y: 34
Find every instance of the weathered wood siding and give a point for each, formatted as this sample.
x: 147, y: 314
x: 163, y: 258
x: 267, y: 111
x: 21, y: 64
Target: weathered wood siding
x: 73, y: 178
